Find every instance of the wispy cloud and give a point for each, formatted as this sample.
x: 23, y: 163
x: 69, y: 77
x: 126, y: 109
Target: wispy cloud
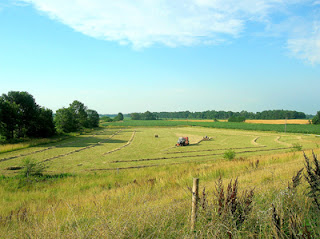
x: 142, y: 23
x: 307, y: 46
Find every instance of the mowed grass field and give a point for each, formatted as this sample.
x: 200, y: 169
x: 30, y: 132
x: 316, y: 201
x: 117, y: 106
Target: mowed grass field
x: 113, y: 148
x: 123, y: 182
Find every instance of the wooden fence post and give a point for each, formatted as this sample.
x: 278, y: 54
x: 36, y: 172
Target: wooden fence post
x: 195, y: 197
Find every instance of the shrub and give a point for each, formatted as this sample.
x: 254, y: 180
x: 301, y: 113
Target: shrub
x: 296, y: 147
x: 31, y: 168
x: 229, y: 154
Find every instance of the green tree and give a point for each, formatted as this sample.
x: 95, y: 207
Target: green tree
x: 135, y: 116
x: 149, y: 116
x: 106, y: 119
x: 93, y: 118
x: 20, y: 116
x: 44, y: 126
x: 76, y: 117
x: 26, y: 113
x: 8, y: 118
x: 119, y: 117
x: 79, y: 111
x: 316, y: 119
x: 65, y: 121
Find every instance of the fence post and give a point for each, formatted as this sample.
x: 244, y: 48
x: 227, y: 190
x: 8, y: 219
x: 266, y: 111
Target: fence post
x: 195, y: 197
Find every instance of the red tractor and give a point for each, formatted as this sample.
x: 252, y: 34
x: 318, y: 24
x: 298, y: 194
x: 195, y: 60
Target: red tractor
x: 183, y: 141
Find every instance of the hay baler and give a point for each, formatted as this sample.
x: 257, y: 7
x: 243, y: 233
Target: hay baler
x: 183, y: 141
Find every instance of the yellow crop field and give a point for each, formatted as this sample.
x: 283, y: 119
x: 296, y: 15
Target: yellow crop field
x: 289, y: 121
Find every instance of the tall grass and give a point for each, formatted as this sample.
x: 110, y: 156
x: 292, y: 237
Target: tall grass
x: 155, y: 202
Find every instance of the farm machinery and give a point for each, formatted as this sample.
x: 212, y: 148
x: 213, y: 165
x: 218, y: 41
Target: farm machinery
x: 183, y: 141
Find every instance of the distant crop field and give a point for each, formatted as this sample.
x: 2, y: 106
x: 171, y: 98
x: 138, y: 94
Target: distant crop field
x: 258, y: 121
x: 282, y: 121
x: 290, y: 128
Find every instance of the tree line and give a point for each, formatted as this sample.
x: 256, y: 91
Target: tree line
x: 22, y: 117
x: 144, y: 116
x: 212, y: 114
x: 117, y: 117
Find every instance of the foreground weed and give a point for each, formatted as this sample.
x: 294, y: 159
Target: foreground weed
x: 313, y: 178
x: 290, y: 216
x: 225, y: 213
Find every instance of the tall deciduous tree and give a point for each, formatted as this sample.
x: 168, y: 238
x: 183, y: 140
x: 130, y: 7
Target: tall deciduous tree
x: 79, y: 111
x: 93, y: 118
x: 27, y: 111
x: 75, y: 117
x: 20, y: 116
x: 118, y: 117
x: 316, y: 119
x: 8, y: 118
x: 65, y: 121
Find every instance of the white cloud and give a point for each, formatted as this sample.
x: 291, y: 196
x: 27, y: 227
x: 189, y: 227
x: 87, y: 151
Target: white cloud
x: 168, y: 22
x: 307, y: 47
x: 142, y: 23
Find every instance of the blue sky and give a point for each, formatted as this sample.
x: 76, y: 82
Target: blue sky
x: 163, y: 55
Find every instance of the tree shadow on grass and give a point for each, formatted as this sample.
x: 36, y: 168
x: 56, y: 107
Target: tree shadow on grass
x: 84, y: 142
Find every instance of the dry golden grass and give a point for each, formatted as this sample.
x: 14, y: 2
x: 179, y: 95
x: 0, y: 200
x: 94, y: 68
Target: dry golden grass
x: 146, y: 203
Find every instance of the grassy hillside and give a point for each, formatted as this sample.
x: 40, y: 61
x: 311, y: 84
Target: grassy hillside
x: 125, y: 183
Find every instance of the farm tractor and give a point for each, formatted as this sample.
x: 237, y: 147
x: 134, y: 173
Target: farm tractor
x: 183, y: 141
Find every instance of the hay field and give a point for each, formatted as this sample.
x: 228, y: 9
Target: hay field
x: 125, y: 183
x: 113, y: 148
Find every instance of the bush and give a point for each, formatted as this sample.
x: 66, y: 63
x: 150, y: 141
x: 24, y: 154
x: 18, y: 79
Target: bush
x: 31, y: 168
x: 230, y: 154
x: 296, y: 147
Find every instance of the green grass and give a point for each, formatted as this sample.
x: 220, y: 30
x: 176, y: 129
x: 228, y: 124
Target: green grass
x: 291, y: 128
